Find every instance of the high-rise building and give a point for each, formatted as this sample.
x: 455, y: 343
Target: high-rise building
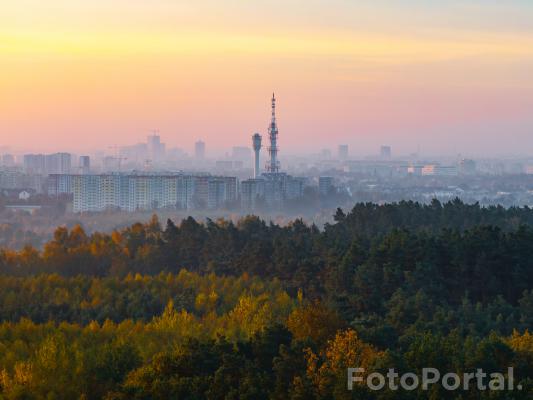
x: 385, y: 152
x: 274, y: 191
x: 132, y: 192
x: 186, y: 186
x: 34, y: 163
x: 156, y: 149
x: 85, y: 165
x: 201, y: 192
x: 325, y: 185
x: 58, y: 163
x: 87, y: 193
x: 199, y: 150
x: 216, y: 193
x: 294, y: 187
x: 252, y: 192
x: 343, y: 151
x: 8, y: 160
x: 15, y: 178
x: 59, y: 184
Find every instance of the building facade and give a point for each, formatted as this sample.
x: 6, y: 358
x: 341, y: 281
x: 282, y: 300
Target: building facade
x: 136, y: 192
x: 271, y: 190
x: 59, y: 184
x: 325, y: 185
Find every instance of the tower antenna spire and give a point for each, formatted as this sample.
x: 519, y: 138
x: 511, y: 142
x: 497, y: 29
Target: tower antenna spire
x: 273, y: 165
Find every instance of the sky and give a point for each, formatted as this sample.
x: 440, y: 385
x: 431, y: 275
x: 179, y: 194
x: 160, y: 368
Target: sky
x: 443, y: 77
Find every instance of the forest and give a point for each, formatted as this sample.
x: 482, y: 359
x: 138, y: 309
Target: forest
x: 254, y: 310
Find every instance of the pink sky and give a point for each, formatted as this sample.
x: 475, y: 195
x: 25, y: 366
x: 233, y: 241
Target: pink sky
x: 452, y: 78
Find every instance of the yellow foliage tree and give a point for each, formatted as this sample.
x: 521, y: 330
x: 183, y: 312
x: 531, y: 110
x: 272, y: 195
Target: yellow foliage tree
x: 314, y: 321
x: 521, y: 343
x: 328, y: 370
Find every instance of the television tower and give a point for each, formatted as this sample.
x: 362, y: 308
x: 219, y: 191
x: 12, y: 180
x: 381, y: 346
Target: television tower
x: 256, y: 142
x: 273, y: 166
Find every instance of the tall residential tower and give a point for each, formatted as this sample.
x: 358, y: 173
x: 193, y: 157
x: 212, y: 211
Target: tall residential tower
x: 199, y: 150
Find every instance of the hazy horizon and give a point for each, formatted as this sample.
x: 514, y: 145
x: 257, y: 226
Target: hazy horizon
x: 446, y: 78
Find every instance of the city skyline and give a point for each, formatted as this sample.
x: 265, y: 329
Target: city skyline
x: 249, y: 199
x: 447, y: 78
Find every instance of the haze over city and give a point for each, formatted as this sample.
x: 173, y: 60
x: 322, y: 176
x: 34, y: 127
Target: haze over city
x: 266, y: 200
x: 441, y: 77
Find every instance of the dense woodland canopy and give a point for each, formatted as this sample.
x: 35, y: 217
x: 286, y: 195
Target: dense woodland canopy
x: 251, y: 310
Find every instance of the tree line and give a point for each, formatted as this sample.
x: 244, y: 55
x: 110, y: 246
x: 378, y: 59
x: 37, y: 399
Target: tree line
x: 254, y: 310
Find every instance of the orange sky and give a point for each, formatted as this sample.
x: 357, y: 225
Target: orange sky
x: 78, y: 75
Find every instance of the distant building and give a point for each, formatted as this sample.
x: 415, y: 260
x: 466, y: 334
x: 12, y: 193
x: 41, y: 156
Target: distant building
x: 58, y: 163
x: 8, y: 160
x: 59, y: 184
x: 294, y: 187
x: 199, y: 150
x: 325, y: 185
x: 132, y: 192
x: 156, y: 149
x: 467, y: 167
x: 224, y: 165
x: 385, y: 152
x: 85, y: 165
x: 325, y: 154
x: 377, y: 168
x: 214, y: 191
x: 136, y: 153
x: 343, y: 151
x: 514, y: 168
x: 240, y: 153
x: 176, y: 153
x: 110, y: 164
x: 12, y: 178
x: 415, y: 170
x: 24, y: 195
x: 272, y: 189
x: 29, y: 209
x: 252, y: 192
x: 87, y: 191
x: 439, y: 170
x: 216, y: 196
x: 34, y: 163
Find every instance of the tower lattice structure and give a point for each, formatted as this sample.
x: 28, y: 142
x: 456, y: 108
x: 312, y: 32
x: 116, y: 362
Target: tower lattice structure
x: 273, y: 165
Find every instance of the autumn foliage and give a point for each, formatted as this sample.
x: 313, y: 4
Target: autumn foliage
x: 254, y: 310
